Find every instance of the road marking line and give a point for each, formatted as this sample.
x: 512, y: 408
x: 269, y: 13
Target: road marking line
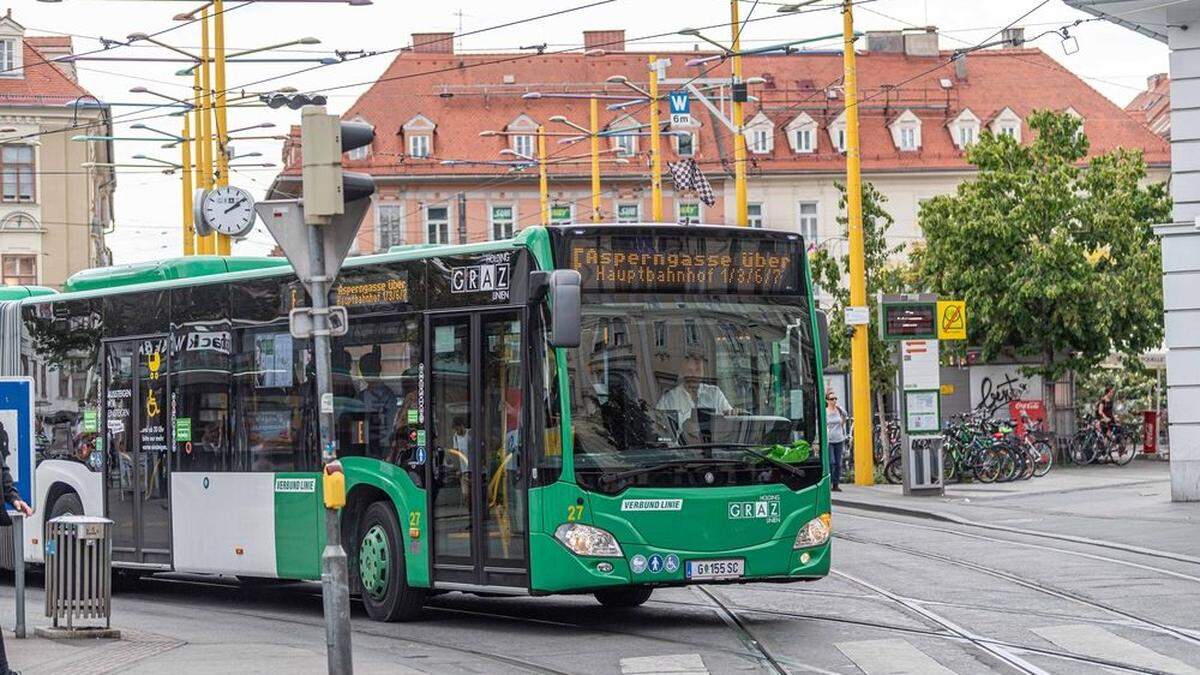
x: 890, y: 657
x: 1101, y: 643
x: 676, y: 664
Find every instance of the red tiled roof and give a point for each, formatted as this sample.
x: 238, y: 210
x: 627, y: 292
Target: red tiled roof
x: 467, y: 94
x: 1152, y: 107
x: 42, y: 82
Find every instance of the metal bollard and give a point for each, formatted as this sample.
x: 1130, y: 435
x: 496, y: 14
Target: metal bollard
x: 78, y: 571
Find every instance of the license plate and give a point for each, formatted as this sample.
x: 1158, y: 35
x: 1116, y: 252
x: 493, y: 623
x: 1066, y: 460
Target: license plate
x: 715, y: 569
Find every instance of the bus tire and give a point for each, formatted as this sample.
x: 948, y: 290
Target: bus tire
x: 385, y: 590
x: 67, y: 503
x: 624, y: 597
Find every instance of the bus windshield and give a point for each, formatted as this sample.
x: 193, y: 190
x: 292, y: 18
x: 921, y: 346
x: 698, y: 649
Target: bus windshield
x: 663, y: 384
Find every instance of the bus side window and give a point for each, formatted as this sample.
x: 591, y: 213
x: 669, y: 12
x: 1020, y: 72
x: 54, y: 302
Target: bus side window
x: 548, y: 406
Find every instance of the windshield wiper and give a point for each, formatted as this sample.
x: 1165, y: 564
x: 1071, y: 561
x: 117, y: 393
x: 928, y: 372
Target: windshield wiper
x: 748, y: 449
x: 610, y: 478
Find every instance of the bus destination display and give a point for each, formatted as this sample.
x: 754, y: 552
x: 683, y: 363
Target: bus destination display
x: 643, y: 264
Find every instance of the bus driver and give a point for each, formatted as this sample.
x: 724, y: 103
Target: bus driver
x: 692, y: 392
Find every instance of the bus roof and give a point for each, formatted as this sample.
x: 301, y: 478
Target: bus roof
x: 22, y: 292
x: 165, y: 270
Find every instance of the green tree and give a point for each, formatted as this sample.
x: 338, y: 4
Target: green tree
x: 1052, y: 251
x: 832, y: 274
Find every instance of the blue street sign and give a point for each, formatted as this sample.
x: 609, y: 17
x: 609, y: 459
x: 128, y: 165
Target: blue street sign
x: 16, y: 432
x: 681, y: 102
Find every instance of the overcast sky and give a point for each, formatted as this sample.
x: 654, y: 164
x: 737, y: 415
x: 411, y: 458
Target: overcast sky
x: 1113, y: 60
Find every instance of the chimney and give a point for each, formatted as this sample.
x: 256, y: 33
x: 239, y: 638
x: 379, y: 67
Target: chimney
x: 433, y: 43
x: 1014, y: 37
x: 885, y: 41
x: 960, y: 67
x: 1154, y: 80
x: 608, y: 40
x: 923, y: 43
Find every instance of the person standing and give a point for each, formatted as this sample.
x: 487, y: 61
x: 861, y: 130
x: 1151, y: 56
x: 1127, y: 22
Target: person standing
x: 835, y: 432
x: 11, y: 496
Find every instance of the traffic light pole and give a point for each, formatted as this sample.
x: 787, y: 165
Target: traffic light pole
x: 335, y: 578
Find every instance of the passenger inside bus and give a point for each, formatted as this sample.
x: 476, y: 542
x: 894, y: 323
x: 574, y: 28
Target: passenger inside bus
x: 379, y: 401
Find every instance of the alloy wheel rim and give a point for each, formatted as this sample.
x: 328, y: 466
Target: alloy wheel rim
x: 374, y: 565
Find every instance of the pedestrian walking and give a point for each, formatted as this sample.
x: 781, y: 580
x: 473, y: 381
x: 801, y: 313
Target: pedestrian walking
x: 835, y: 432
x: 11, y: 496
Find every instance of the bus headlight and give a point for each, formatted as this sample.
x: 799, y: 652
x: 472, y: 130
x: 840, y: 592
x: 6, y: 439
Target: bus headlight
x: 815, y: 532
x: 588, y: 540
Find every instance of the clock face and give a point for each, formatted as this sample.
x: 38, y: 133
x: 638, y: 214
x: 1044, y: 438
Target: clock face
x: 229, y: 210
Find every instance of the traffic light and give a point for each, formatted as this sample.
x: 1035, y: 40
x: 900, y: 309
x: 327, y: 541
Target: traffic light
x: 323, y: 139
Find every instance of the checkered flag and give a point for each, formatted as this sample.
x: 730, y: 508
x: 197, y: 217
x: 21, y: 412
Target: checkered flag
x: 687, y: 177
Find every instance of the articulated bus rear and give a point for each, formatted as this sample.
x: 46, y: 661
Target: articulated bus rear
x: 692, y: 420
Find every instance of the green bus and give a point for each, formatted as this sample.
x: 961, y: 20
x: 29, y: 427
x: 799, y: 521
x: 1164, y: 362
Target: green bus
x: 601, y: 409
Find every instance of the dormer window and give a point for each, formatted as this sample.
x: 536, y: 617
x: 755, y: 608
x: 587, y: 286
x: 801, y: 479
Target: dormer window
x: 522, y: 136
x: 418, y: 134
x: 8, y: 56
x: 1007, y: 123
x: 837, y: 132
x: 804, y: 140
x: 685, y: 144
x: 624, y: 135
x: 760, y: 135
x: 964, y: 129
x: 841, y: 140
x: 360, y: 153
x: 906, y: 131
x: 1075, y: 113
x: 523, y: 144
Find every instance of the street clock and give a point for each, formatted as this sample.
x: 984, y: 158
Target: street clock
x: 226, y: 210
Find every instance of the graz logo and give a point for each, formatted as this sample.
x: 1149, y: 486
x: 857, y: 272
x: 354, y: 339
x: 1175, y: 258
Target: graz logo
x: 765, y: 508
x: 482, y: 278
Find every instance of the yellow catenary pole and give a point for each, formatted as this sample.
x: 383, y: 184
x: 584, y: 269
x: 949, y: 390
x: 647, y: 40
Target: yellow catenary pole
x: 543, y: 181
x: 208, y: 244
x: 739, y: 138
x: 224, y: 244
x: 656, y: 212
x: 189, y: 231
x: 198, y: 149
x: 860, y: 367
x: 594, y: 117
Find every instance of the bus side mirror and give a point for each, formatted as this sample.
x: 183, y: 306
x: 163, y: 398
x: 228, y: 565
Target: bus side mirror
x: 823, y: 337
x: 565, y: 300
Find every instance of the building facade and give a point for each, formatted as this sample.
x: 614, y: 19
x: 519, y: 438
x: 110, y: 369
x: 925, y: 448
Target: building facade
x: 1152, y: 107
x: 446, y: 121
x: 55, y: 205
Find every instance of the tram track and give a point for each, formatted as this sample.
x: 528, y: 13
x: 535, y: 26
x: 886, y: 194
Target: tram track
x: 1040, y: 587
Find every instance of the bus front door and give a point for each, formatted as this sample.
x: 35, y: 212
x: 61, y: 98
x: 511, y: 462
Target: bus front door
x: 137, y: 417
x: 478, y: 495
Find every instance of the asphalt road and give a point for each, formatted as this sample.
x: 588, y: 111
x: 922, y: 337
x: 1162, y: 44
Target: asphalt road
x: 908, y: 596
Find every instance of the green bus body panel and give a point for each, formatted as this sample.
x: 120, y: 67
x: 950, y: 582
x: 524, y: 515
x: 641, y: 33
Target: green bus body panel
x: 409, y: 502
x: 299, y: 530
x: 21, y: 292
x: 191, y: 267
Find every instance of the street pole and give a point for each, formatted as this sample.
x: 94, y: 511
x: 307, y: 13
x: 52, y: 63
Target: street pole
x: 656, y: 211
x: 189, y: 229
x: 860, y: 367
x: 197, y: 151
x: 543, y: 181
x: 739, y: 139
x: 224, y: 244
x: 208, y: 242
x: 594, y: 118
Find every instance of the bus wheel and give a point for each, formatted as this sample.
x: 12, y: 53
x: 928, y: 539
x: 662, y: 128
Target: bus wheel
x: 67, y: 504
x: 385, y: 590
x: 628, y: 596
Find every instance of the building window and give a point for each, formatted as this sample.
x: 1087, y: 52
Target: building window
x: 808, y: 223
x: 437, y: 224
x: 685, y: 144
x: 804, y: 140
x: 629, y: 213
x: 689, y: 212
x: 760, y: 143
x: 908, y: 138
x: 523, y: 145
x: 18, y: 172
x: 660, y: 334
x: 626, y: 145
x: 562, y: 214
x: 841, y: 140
x: 503, y: 222
x: 418, y: 146
x: 754, y: 214
x: 1009, y: 130
x: 358, y: 154
x: 390, y: 225
x: 8, y: 58
x: 966, y: 136
x: 19, y: 270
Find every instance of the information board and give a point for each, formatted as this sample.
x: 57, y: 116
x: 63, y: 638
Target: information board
x: 627, y: 263
x: 908, y: 321
x: 16, y: 433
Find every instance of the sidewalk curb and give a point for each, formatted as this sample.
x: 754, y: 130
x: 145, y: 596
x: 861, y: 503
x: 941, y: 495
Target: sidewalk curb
x: 958, y: 520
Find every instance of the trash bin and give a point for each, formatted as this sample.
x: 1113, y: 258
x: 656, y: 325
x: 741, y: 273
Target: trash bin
x: 1149, y: 432
x: 78, y: 570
